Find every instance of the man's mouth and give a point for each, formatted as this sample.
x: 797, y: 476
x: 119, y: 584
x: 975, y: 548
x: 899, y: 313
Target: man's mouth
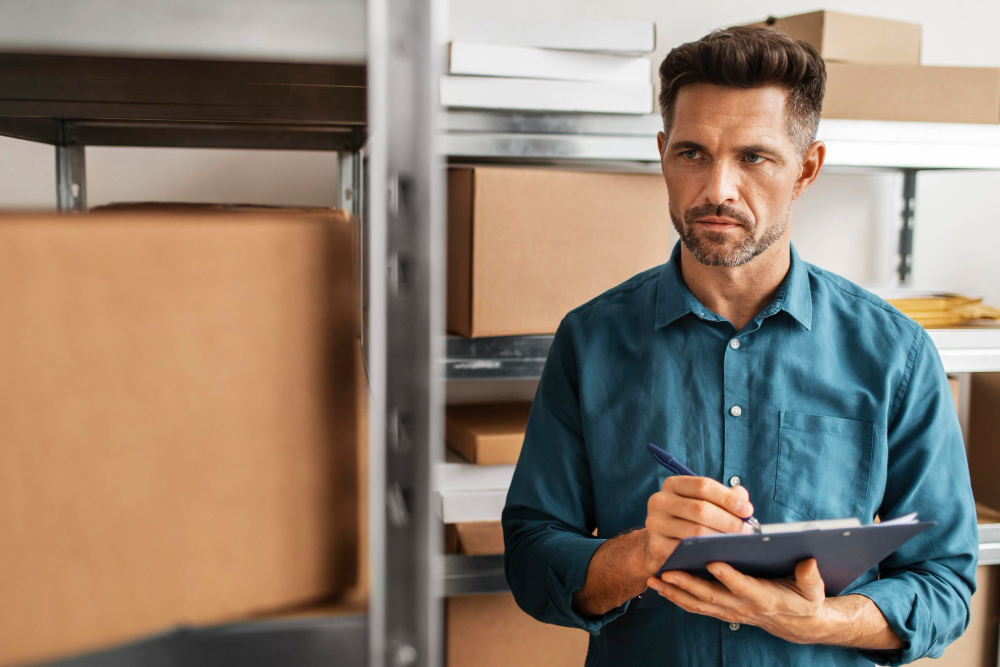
x: 718, y: 222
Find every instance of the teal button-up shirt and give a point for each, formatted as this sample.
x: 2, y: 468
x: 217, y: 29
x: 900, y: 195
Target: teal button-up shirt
x: 845, y: 411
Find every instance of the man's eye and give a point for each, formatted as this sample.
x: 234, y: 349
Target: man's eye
x: 753, y: 158
x: 692, y: 154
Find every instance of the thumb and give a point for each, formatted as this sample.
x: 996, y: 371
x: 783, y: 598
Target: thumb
x: 808, y: 580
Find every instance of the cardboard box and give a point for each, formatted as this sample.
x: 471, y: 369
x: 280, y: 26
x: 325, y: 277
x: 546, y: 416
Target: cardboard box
x: 474, y: 538
x: 491, y: 631
x: 912, y: 93
x: 850, y: 38
x: 177, y: 423
x: 487, y: 434
x: 983, y: 447
x: 955, y: 386
x: 526, y: 246
x: 978, y: 646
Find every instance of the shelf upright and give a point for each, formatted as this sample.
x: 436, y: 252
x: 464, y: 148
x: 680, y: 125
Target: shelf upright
x: 406, y: 317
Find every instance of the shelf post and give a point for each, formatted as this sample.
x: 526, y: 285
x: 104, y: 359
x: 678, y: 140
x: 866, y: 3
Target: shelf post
x: 905, y: 268
x: 405, y: 241
x: 71, y: 179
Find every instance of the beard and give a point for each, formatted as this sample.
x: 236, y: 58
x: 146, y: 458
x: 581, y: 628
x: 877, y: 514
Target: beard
x: 722, y: 248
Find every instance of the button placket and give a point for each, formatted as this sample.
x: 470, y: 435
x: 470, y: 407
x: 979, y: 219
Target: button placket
x: 736, y: 400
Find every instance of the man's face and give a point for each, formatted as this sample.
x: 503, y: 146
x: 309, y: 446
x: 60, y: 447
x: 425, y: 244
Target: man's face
x: 731, y: 171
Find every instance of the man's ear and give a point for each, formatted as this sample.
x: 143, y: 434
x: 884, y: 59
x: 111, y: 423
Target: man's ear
x: 811, y: 164
x: 661, y: 142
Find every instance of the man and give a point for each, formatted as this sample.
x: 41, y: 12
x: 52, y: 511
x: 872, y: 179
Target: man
x: 795, y: 393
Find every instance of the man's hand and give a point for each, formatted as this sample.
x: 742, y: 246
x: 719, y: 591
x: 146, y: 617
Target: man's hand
x: 691, y: 507
x: 792, y: 609
x: 684, y: 506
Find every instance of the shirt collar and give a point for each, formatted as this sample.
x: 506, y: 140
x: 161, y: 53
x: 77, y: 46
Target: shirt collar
x: 674, y: 299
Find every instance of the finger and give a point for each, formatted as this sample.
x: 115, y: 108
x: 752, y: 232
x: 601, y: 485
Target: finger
x: 705, y: 488
x: 740, y: 585
x: 675, y: 529
x: 706, y: 591
x: 809, y: 581
x: 706, y: 513
x: 690, y: 603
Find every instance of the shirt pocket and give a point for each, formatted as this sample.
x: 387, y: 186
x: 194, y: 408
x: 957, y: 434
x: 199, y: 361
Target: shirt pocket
x: 824, y: 464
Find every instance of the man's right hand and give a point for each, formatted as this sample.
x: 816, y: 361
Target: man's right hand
x: 683, y: 507
x: 690, y: 507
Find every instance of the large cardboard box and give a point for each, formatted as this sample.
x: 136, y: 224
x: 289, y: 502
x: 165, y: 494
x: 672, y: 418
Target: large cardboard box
x: 491, y: 631
x: 912, y: 93
x: 177, y: 420
x: 487, y: 434
x: 851, y: 38
x: 526, y: 246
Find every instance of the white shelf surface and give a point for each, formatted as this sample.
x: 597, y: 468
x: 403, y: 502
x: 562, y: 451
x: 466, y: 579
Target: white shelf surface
x: 968, y: 350
x: 471, y: 492
x: 596, y: 137
x: 320, y: 31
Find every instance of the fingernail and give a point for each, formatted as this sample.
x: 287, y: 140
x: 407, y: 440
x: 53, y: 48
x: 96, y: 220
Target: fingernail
x: 747, y: 528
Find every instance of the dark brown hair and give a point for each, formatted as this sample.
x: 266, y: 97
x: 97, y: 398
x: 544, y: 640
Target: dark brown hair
x: 748, y: 57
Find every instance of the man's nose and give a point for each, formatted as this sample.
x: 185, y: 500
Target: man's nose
x: 722, y: 186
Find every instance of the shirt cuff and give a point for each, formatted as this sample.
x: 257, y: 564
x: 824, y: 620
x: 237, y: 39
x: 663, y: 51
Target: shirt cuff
x: 905, y: 614
x: 576, y: 556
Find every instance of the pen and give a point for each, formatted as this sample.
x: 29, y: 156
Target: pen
x: 673, y: 465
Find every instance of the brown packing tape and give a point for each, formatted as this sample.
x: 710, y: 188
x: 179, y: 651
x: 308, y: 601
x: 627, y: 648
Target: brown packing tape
x: 177, y: 423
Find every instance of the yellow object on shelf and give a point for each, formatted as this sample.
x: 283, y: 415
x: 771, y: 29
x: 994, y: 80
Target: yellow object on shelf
x: 936, y: 311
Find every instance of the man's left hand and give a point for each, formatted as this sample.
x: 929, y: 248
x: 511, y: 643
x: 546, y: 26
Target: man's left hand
x: 791, y: 609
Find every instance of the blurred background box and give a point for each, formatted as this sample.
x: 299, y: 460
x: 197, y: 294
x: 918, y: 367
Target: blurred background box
x: 912, y: 93
x: 474, y: 538
x: 177, y: 422
x: 526, y: 246
x: 487, y: 434
x: 850, y: 38
x: 491, y: 631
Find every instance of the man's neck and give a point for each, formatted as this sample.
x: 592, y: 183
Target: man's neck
x: 737, y: 293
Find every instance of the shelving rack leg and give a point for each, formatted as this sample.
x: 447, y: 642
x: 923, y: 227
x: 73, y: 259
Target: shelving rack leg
x: 71, y: 179
x: 905, y: 268
x: 405, y: 241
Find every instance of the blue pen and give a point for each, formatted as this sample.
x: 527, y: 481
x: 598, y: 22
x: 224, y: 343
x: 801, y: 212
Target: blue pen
x: 673, y: 465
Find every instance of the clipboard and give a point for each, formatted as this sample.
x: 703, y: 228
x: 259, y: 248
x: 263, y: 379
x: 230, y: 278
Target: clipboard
x: 843, y: 554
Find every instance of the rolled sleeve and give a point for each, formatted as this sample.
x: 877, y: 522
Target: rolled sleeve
x: 924, y: 588
x: 548, y: 520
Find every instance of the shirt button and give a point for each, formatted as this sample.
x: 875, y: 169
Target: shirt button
x: 734, y: 626
x: 734, y: 481
x: 734, y: 343
x: 736, y: 411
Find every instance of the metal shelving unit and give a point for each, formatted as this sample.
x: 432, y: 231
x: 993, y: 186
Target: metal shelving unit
x: 626, y: 143
x: 357, y: 77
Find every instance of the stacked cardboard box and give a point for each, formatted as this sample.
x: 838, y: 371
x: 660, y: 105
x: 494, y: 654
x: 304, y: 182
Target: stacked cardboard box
x: 874, y: 72
x: 526, y: 246
x: 487, y: 434
x: 491, y: 631
x: 177, y: 423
